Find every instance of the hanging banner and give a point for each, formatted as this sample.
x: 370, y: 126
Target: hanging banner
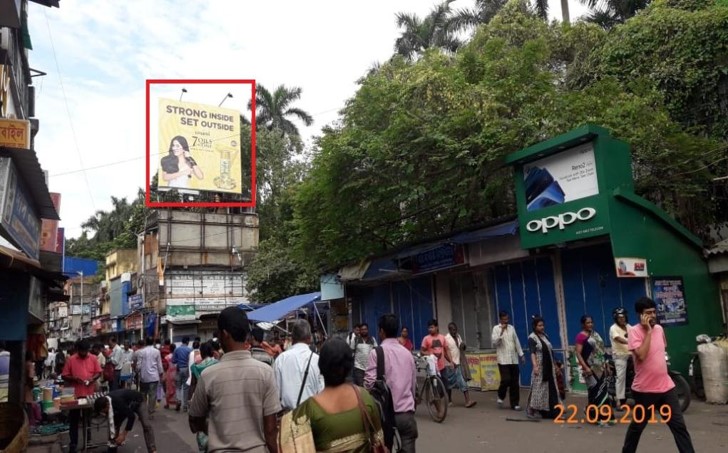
x: 199, y: 147
x: 669, y: 295
x: 489, y: 373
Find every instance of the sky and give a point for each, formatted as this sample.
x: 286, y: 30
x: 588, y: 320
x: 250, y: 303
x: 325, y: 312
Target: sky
x: 98, y: 53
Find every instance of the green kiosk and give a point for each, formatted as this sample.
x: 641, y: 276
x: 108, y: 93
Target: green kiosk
x: 609, y: 246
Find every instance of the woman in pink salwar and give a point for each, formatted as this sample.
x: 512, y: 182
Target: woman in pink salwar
x: 169, y: 377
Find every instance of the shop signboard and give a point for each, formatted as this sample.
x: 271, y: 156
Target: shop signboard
x: 17, y: 217
x: 669, y: 295
x: 135, y: 302
x: 560, y: 193
x: 631, y: 267
x: 14, y: 133
x: 444, y: 256
x: 180, y: 312
x: 200, y: 147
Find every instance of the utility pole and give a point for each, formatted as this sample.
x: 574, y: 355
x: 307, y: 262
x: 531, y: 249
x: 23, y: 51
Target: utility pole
x: 80, y: 329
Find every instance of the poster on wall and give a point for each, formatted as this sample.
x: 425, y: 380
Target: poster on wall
x: 489, y: 374
x: 631, y: 267
x: 561, y: 178
x: 199, y: 147
x: 669, y: 295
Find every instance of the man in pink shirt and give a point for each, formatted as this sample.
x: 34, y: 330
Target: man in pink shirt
x: 82, y: 370
x: 400, y: 374
x: 652, y: 387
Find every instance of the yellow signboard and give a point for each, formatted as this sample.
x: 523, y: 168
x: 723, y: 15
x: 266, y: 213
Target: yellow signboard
x: 15, y: 133
x: 199, y: 147
x: 489, y: 374
x: 474, y: 365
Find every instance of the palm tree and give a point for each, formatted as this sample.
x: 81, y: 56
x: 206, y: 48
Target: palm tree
x: 484, y: 11
x: 274, y: 109
x: 608, y: 13
x: 434, y: 31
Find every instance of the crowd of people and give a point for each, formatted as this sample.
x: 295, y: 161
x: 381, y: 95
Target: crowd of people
x: 242, y: 393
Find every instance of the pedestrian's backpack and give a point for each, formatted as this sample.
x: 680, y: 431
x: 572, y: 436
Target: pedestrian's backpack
x: 382, y: 395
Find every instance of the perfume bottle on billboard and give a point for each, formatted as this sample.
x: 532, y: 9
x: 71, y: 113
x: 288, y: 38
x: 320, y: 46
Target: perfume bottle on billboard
x: 225, y: 181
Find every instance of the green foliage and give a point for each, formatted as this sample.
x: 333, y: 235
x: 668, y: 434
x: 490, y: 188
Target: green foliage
x: 275, y: 274
x: 682, y: 53
x: 115, y: 229
x: 421, y: 145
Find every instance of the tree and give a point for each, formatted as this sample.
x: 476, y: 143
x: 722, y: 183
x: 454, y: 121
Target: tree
x: 609, y: 13
x: 420, y: 149
x: 482, y: 13
x: 436, y: 30
x: 273, y: 110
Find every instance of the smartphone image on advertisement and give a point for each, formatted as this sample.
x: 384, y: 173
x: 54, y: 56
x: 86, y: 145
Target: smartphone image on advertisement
x: 542, y: 190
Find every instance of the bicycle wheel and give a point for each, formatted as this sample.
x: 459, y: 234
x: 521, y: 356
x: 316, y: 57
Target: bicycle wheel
x: 436, y: 398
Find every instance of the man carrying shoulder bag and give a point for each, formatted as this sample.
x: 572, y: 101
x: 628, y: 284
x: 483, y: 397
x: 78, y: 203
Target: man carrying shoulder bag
x: 390, y: 377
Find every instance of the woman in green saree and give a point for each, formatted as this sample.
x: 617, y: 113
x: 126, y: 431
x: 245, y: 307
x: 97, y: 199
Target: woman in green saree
x: 343, y: 417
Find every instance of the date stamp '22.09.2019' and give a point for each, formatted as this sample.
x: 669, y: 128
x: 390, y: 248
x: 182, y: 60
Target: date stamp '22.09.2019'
x: 592, y: 414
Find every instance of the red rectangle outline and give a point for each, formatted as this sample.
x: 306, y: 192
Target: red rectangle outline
x: 168, y: 204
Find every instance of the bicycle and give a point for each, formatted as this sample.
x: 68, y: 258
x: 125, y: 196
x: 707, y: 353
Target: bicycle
x: 433, y: 390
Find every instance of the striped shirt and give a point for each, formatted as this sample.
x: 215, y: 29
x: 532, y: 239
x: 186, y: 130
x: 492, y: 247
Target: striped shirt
x: 507, y: 346
x: 235, y: 395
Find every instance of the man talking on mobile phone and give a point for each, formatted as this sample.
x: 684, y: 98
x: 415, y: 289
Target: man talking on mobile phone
x: 653, y: 388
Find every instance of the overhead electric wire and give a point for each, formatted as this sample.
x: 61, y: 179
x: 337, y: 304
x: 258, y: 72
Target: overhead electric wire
x: 68, y: 110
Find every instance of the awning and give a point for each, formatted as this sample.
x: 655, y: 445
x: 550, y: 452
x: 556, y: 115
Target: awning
x: 504, y: 229
x: 27, y: 165
x: 279, y: 310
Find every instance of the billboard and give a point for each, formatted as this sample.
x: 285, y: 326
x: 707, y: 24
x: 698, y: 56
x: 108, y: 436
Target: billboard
x: 199, y: 147
x: 567, y: 176
x: 49, y: 228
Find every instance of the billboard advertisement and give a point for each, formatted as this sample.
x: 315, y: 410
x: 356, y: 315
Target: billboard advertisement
x: 49, y: 228
x: 567, y: 176
x: 199, y: 147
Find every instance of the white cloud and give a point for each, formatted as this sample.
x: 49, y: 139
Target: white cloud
x: 106, y: 50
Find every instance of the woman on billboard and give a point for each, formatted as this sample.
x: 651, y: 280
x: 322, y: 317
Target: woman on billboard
x: 179, y: 166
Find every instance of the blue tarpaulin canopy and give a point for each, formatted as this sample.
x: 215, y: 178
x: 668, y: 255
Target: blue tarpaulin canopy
x: 279, y: 310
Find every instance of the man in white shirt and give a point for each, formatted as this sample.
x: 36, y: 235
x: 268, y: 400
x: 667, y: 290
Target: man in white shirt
x: 117, y: 356
x: 290, y: 368
x: 362, y: 345
x: 509, y: 353
x: 620, y: 353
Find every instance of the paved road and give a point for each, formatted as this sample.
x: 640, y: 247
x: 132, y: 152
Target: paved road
x: 485, y: 428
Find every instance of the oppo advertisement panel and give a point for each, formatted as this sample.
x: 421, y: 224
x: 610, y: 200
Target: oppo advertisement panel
x: 561, y: 178
x: 199, y: 146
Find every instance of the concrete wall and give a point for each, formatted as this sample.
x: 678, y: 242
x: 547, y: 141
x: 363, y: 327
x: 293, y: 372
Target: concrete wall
x: 121, y: 261
x: 203, y: 239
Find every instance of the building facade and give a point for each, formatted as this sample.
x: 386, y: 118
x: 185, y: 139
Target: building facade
x: 194, y: 266
x: 583, y: 243
x: 25, y: 286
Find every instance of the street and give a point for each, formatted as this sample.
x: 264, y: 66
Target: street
x: 485, y: 428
